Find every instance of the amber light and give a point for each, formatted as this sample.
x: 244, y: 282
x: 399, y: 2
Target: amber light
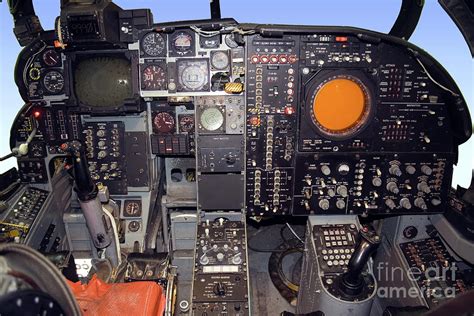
x: 340, y: 105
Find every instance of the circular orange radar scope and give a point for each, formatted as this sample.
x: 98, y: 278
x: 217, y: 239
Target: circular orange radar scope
x: 341, y: 106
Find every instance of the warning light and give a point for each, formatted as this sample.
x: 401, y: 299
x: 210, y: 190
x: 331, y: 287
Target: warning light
x: 36, y: 114
x: 341, y: 38
x: 289, y: 110
x: 255, y: 121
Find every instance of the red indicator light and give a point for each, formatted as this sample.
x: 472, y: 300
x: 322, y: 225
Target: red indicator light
x: 289, y: 111
x: 341, y: 39
x: 255, y: 59
x: 292, y: 59
x: 255, y: 121
x: 36, y: 114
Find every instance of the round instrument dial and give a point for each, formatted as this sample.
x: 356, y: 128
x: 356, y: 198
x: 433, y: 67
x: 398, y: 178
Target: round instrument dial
x: 153, y: 44
x: 194, y: 77
x: 212, y: 119
x: 182, y: 42
x: 220, y: 60
x: 53, y: 82
x: 153, y: 78
x: 186, y: 123
x: 219, y: 80
x: 164, y: 122
x: 229, y: 40
x: 51, y: 58
x: 133, y: 208
x: 341, y: 106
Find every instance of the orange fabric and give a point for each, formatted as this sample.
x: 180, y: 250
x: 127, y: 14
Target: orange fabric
x: 339, y: 104
x: 135, y: 298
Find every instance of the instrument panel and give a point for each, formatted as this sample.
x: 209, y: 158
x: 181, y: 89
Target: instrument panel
x: 314, y: 121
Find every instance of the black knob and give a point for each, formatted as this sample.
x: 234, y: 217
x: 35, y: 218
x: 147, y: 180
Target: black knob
x: 351, y: 283
x: 219, y: 289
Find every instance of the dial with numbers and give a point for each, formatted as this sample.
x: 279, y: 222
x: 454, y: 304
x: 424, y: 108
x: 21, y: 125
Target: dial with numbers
x: 153, y: 78
x: 153, y: 44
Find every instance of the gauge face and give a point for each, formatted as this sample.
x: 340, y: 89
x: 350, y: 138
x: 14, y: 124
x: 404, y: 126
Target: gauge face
x: 53, y: 82
x: 210, y: 42
x: 51, y: 58
x: 220, y: 60
x: 133, y: 208
x: 212, y: 119
x: 186, y: 123
x: 153, y: 44
x: 193, y: 75
x: 153, y: 78
x: 164, y: 122
x: 182, y: 44
x: 219, y: 80
x: 229, y: 40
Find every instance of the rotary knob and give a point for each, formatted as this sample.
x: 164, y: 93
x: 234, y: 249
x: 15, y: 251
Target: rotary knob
x: 326, y: 170
x: 426, y: 170
x: 410, y: 169
x: 342, y: 190
x: 405, y: 203
x: 376, y: 182
x: 420, y: 203
x: 219, y: 289
x: 237, y: 259
x: 204, y: 260
x: 424, y: 187
x: 395, y: 170
x: 324, y: 204
x: 390, y: 204
x: 392, y: 187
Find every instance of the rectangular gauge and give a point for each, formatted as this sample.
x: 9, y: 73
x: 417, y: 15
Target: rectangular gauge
x: 193, y: 75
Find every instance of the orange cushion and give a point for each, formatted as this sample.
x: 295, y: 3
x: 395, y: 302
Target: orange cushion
x: 135, y: 298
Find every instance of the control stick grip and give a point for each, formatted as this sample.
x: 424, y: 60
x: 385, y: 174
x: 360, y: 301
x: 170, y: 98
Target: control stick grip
x: 367, y: 243
x: 85, y: 188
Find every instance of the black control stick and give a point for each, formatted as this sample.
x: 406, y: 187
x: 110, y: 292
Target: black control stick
x: 87, y: 193
x: 351, y: 283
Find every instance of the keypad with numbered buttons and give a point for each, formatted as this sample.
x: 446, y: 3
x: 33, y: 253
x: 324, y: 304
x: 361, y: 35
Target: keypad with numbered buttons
x: 335, y: 245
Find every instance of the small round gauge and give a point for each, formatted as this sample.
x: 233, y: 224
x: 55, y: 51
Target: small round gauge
x: 212, y: 119
x: 186, y: 123
x: 153, y: 44
x: 164, y: 122
x: 133, y: 208
x: 153, y: 78
x: 51, y: 58
x: 220, y: 60
x: 229, y: 40
x: 194, y: 77
x: 182, y: 43
x: 53, y: 82
x: 219, y: 80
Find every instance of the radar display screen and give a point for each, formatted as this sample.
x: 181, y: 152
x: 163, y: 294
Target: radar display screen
x: 103, y: 81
